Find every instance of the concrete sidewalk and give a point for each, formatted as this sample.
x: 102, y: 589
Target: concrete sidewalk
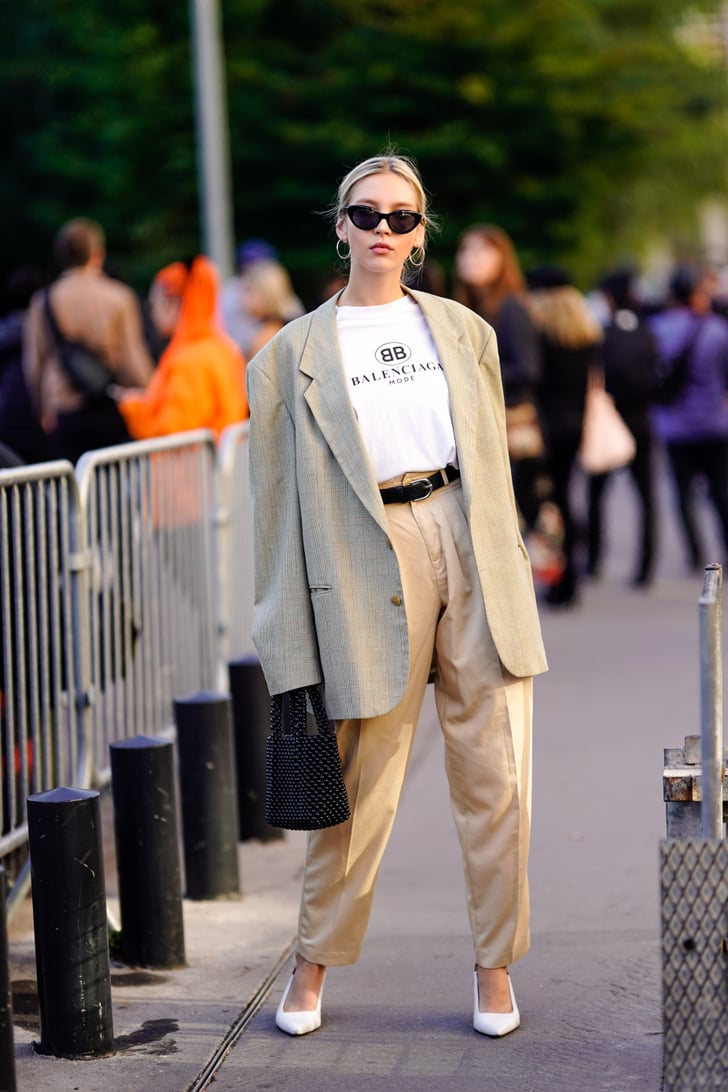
x: 589, y: 989
x: 167, y: 1024
x: 623, y: 684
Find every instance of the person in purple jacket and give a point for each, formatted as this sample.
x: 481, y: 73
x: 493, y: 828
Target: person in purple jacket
x: 693, y: 424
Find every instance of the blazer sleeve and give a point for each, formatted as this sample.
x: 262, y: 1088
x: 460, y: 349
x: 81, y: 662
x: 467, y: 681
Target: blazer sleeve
x: 284, y: 633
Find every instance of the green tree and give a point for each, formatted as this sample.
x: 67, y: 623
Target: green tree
x: 578, y: 126
x: 99, y: 123
x: 581, y: 126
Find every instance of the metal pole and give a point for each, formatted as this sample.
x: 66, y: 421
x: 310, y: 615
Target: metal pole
x: 7, y: 1043
x: 251, y: 720
x: 711, y: 701
x: 213, y: 153
x: 69, y: 922
x: 147, y: 852
x: 208, y: 795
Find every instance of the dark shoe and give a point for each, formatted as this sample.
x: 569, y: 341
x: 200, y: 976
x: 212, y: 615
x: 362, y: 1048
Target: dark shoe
x: 561, y: 596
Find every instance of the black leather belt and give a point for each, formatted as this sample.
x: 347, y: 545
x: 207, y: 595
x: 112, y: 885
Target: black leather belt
x: 419, y: 488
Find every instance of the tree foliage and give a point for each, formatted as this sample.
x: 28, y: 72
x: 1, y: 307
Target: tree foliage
x: 581, y: 126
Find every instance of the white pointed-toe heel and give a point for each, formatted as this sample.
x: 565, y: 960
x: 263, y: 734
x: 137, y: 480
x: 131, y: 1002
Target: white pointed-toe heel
x: 298, y: 1023
x: 495, y: 1023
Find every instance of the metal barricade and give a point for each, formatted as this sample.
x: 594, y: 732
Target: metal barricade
x: 43, y: 671
x: 149, y: 514
x: 694, y: 882
x: 123, y: 586
x: 235, y: 546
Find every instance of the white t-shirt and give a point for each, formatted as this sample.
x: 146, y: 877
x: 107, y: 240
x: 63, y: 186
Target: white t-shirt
x: 397, y: 387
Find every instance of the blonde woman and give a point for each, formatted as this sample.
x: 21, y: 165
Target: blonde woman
x: 387, y: 543
x: 571, y: 346
x: 268, y: 297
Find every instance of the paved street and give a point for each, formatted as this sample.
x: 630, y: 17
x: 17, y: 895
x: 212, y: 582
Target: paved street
x: 623, y: 684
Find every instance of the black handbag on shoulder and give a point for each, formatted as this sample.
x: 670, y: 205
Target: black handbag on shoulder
x: 86, y: 371
x: 305, y: 787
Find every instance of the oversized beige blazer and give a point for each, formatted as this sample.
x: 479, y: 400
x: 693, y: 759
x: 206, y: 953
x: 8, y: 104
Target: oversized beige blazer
x: 328, y: 593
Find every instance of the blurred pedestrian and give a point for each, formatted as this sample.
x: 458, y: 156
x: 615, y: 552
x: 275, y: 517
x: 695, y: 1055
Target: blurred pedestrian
x: 629, y: 359
x: 693, y: 421
x: 268, y: 297
x: 387, y: 545
x: 199, y: 381
x: 99, y: 313
x: 332, y: 286
x: 570, y: 343
x: 20, y: 429
x: 489, y: 280
x: 9, y: 458
x: 238, y: 322
x: 429, y: 277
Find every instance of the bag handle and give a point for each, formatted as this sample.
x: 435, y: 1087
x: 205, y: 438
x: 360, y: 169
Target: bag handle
x: 298, y: 711
x: 51, y: 318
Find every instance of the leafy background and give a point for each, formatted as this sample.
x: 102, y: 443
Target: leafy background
x: 586, y: 128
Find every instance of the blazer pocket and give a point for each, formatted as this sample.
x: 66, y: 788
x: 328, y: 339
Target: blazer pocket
x: 319, y: 589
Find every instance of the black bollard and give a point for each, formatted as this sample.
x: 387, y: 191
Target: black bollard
x: 208, y: 794
x: 7, y: 1041
x: 251, y: 721
x: 69, y: 922
x: 147, y: 852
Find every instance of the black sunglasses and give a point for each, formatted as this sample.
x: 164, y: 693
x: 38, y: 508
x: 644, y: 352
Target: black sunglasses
x: 401, y: 221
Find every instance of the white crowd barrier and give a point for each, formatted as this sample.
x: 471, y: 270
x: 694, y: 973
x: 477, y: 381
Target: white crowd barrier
x: 124, y: 584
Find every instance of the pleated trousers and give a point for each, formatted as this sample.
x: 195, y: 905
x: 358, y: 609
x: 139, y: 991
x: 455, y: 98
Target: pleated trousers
x: 485, y: 715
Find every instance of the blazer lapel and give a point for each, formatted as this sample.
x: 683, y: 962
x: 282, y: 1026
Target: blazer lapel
x: 329, y: 401
x: 456, y: 356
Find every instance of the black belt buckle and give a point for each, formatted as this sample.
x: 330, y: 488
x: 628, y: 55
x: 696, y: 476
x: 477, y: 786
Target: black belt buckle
x: 421, y: 483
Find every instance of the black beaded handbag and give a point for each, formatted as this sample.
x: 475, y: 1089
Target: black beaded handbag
x: 305, y: 787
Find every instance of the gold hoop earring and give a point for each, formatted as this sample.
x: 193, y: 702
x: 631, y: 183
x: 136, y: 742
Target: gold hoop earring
x: 419, y: 261
x: 343, y: 257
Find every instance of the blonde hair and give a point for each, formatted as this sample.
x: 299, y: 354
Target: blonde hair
x: 273, y: 285
x: 388, y: 161
x: 563, y: 315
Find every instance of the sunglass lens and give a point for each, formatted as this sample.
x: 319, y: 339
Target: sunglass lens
x: 400, y: 220
x: 363, y: 218
x: 403, y: 222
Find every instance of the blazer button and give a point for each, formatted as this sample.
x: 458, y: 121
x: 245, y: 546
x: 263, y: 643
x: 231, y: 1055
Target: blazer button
x: 397, y: 601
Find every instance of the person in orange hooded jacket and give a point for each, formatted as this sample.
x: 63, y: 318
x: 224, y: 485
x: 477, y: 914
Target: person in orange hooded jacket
x: 199, y: 381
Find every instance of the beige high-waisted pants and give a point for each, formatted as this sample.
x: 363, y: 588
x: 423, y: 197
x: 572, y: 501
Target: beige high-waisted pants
x: 485, y: 714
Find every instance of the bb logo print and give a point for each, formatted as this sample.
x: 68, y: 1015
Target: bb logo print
x: 393, y: 353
